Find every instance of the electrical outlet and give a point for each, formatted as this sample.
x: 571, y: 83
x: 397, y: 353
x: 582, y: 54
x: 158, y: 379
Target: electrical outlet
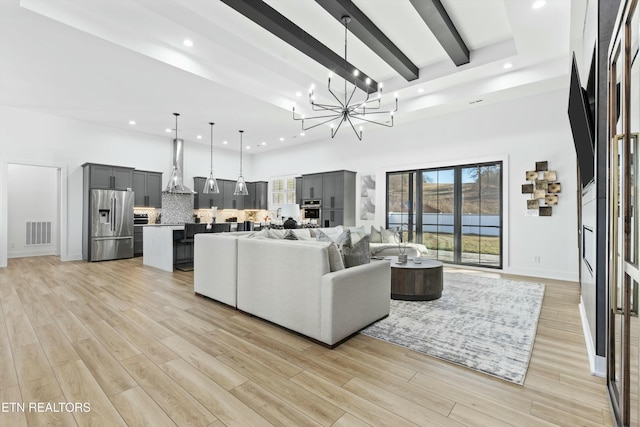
x: 536, y: 259
x: 13, y: 245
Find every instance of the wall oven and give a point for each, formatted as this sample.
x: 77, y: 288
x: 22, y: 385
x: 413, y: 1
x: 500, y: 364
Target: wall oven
x: 311, y: 209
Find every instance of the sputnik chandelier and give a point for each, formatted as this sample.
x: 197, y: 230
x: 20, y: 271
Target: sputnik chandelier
x: 345, y: 110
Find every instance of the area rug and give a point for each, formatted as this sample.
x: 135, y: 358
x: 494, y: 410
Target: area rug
x: 482, y: 323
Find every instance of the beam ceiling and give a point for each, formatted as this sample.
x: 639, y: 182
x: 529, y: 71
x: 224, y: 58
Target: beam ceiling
x: 278, y: 25
x: 440, y: 24
x: 363, y: 28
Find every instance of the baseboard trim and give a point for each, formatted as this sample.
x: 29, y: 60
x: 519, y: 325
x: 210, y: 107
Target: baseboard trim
x: 597, y: 364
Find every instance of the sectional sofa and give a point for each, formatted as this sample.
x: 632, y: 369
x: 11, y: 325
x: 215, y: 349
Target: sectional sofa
x: 294, y: 284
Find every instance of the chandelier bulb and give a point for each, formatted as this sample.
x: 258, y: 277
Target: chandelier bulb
x: 380, y: 86
x: 396, y: 95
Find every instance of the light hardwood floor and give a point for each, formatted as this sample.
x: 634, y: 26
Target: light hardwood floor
x: 138, y: 346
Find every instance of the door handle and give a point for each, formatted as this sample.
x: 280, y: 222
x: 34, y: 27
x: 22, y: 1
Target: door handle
x: 113, y: 215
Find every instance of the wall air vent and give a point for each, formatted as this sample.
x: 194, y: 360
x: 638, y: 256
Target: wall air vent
x: 38, y: 233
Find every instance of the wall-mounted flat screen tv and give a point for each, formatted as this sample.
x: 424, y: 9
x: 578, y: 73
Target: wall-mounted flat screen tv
x: 581, y: 120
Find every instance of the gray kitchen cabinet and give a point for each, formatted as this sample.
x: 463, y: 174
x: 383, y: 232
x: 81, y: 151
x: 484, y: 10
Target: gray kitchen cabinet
x: 262, y: 195
x: 339, y: 198
x: 200, y: 200
x: 299, y: 190
x: 207, y: 201
x: 109, y: 177
x: 312, y: 186
x: 333, y: 190
x: 250, y: 200
x: 333, y: 217
x: 230, y: 200
x: 148, y: 189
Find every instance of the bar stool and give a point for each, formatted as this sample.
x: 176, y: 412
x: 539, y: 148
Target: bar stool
x: 190, y: 230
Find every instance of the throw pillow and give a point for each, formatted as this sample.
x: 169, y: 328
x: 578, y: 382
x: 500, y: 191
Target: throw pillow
x: 262, y: 234
x: 341, y: 240
x: 376, y: 236
x: 358, y: 253
x: 302, y: 234
x: 335, y: 258
x: 389, y: 236
x: 290, y: 235
x: 275, y: 234
x: 359, y: 229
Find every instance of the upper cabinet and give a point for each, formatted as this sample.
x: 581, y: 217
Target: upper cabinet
x: 108, y: 177
x: 257, y: 198
x: 261, y: 195
x: 148, y: 189
x: 312, y: 186
x: 232, y: 201
x: 207, y: 201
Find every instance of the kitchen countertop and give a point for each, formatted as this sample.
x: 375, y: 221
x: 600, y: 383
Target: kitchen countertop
x: 158, y: 225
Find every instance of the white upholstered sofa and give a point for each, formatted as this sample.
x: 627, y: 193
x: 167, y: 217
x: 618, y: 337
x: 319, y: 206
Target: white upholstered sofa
x: 290, y: 284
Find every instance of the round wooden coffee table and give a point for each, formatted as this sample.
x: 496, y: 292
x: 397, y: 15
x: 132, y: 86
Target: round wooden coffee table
x: 416, y: 280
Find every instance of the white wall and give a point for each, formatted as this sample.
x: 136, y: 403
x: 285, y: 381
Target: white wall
x: 518, y: 132
x: 34, y: 138
x: 32, y: 196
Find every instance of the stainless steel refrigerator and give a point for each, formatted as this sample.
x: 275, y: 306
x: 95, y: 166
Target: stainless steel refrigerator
x: 111, y: 224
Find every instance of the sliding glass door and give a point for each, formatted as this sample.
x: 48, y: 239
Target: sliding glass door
x: 456, y: 212
x: 438, y: 213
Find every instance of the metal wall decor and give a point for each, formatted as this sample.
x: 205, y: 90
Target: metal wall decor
x: 543, y: 188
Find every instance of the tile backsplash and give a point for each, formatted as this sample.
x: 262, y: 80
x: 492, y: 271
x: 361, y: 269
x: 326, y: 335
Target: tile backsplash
x: 222, y: 215
x: 177, y: 208
x: 152, y: 213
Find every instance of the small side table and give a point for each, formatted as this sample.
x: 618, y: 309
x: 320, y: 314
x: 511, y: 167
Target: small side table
x: 416, y: 280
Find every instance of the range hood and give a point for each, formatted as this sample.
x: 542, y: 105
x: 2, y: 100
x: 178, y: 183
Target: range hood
x: 176, y: 184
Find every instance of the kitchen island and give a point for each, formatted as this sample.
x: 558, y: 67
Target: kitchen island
x: 158, y: 245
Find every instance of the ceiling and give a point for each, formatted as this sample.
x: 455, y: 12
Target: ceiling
x: 112, y: 61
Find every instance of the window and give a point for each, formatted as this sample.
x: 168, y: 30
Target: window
x: 456, y: 211
x: 283, y: 190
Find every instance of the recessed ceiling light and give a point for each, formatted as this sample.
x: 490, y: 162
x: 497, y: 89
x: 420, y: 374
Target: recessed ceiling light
x: 187, y: 42
x: 248, y: 147
x: 199, y: 136
x: 507, y: 65
x: 298, y: 93
x: 421, y: 90
x: 264, y: 143
x: 301, y: 133
x: 132, y: 122
x: 167, y: 130
x: 225, y: 142
x: 281, y: 139
x: 538, y: 4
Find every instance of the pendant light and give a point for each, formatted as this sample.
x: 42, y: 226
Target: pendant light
x: 241, y: 185
x: 211, y: 186
x: 175, y: 173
